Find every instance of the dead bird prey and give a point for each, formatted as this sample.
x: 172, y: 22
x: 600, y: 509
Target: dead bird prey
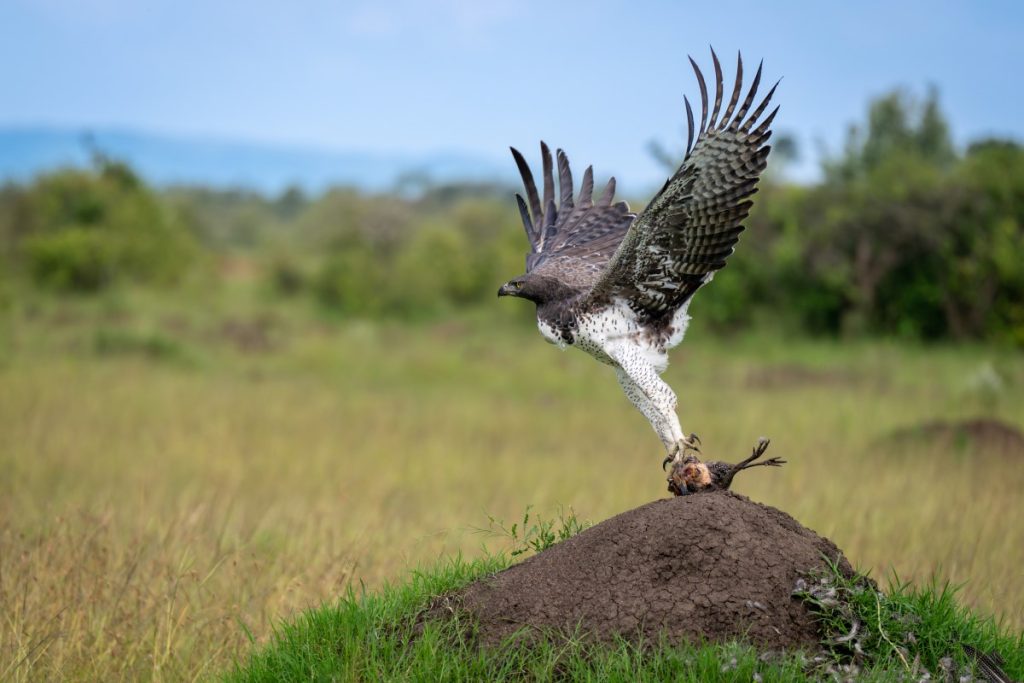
x: 618, y: 285
x: 690, y: 475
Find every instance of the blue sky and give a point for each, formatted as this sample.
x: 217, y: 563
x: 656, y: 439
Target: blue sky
x: 600, y: 79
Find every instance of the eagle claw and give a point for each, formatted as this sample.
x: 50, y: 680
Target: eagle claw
x: 690, y: 443
x: 678, y: 452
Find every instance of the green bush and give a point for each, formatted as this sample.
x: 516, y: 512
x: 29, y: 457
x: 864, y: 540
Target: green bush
x: 75, y: 258
x: 82, y: 230
x: 350, y: 281
x: 287, y: 276
x: 436, y: 268
x: 416, y: 263
x: 112, y: 341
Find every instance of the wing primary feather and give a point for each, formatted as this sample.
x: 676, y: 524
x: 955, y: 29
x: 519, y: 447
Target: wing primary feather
x: 524, y: 213
x: 528, y: 184
x: 565, y: 201
x: 760, y: 108
x: 549, y: 184
x: 718, y: 90
x: 689, y: 126
x: 735, y: 91
x: 587, y: 188
x: 693, y: 224
x: 550, y: 214
x: 703, y: 96
x: 742, y: 113
x: 608, y: 194
x: 760, y: 130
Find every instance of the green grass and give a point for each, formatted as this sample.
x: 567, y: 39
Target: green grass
x: 381, y: 636
x: 170, y: 486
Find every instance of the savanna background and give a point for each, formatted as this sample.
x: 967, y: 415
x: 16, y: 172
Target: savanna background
x: 227, y: 394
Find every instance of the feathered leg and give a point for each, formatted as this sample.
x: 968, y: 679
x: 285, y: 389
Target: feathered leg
x: 664, y: 429
x: 655, y: 399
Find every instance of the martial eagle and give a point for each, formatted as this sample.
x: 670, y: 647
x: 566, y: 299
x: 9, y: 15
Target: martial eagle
x: 618, y: 285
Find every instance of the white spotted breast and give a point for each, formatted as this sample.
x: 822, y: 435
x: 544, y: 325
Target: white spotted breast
x: 599, y: 331
x: 550, y: 334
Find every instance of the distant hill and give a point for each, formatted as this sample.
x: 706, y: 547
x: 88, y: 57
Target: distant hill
x: 167, y: 160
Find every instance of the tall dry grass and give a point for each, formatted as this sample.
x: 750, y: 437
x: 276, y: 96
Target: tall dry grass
x: 162, y: 506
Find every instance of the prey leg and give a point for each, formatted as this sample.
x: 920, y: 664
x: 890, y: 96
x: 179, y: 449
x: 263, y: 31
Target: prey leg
x: 758, y: 451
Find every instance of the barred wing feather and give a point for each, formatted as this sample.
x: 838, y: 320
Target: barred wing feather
x: 576, y: 227
x: 692, y: 225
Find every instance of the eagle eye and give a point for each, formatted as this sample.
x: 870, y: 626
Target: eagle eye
x: 518, y: 284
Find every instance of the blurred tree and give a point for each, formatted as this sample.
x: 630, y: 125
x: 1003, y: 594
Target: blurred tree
x: 83, y: 229
x: 290, y: 203
x: 785, y: 148
x: 668, y: 161
x: 879, y: 212
x: 898, y: 125
x: 903, y: 235
x: 351, y: 280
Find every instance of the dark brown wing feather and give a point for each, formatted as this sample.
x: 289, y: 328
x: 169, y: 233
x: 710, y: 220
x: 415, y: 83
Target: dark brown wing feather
x: 576, y: 229
x: 990, y: 665
x: 692, y: 225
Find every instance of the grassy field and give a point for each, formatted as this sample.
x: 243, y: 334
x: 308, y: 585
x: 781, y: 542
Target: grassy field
x: 176, y: 478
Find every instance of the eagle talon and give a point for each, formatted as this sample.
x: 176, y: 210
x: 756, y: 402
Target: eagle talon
x: 675, y: 453
x: 691, y: 443
x: 686, y: 449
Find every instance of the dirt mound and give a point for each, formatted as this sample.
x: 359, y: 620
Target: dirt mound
x: 711, y: 566
x: 980, y: 434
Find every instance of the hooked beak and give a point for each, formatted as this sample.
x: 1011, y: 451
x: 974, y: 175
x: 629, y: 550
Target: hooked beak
x: 505, y: 290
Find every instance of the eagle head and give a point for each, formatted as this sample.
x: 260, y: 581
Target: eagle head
x: 524, y: 287
x: 538, y: 288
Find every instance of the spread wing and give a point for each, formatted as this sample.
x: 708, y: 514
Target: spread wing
x: 576, y: 229
x: 692, y: 225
